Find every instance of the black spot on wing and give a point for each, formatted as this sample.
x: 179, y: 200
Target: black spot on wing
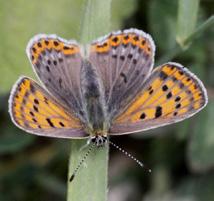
x: 122, y: 57
x: 39, y: 44
x: 36, y: 108
x: 175, y: 113
x: 56, y: 43
x: 34, y: 49
x: 31, y: 113
x: 50, y: 122
x: 178, y: 98
x: 136, y: 38
x: 47, y: 68
x: 36, y: 101
x: 143, y: 116
x: 181, y: 85
x: 151, y: 91
x: 158, y: 111
x: 32, y: 88
x: 143, y: 42
x: 134, y: 61
x: 164, y: 88
x: 34, y: 120
x: 115, y: 39
x: 55, y: 62
x: 124, y: 77
x: 60, y: 60
x: 178, y: 106
x: 61, y: 124
x: 163, y: 75
x: 130, y: 56
x: 169, y: 95
x: 60, y: 82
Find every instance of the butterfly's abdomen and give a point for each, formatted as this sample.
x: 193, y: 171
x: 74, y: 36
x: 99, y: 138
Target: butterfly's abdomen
x: 93, y: 99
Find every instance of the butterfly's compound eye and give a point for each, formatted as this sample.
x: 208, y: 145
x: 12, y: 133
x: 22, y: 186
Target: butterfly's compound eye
x: 93, y: 139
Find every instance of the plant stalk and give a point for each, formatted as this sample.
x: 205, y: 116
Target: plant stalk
x: 90, y: 182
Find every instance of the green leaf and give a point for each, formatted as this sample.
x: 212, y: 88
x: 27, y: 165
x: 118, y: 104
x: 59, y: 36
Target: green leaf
x: 201, y: 147
x: 187, y: 18
x: 162, y: 23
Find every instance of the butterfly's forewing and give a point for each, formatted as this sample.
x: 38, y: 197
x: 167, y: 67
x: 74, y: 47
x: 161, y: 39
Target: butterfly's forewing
x: 123, y: 61
x: 34, y: 110
x: 170, y: 94
x: 57, y: 63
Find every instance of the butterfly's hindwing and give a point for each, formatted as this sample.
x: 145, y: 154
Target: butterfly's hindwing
x: 170, y: 94
x: 34, y: 110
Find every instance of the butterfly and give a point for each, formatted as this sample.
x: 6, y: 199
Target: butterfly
x: 107, y: 87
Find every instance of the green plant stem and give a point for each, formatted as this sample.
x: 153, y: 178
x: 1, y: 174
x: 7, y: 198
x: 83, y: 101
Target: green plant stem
x: 90, y: 182
x: 208, y: 23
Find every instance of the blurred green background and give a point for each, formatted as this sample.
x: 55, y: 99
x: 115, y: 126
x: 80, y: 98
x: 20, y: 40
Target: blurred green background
x: 180, y: 156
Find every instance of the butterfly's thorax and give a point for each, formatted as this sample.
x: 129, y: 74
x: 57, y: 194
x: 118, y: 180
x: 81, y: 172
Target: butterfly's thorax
x: 93, y: 100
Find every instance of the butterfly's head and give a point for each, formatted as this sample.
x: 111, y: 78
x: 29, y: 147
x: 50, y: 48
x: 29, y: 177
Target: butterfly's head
x: 99, y: 140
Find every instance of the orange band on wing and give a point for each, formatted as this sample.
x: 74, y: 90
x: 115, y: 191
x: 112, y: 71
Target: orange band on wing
x: 115, y: 40
x: 49, y: 44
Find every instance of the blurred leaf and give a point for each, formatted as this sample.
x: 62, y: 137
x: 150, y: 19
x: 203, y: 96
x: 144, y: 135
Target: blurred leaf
x: 161, y: 179
x: 198, y: 189
x: 14, y: 141
x: 201, y: 147
x: 121, y: 9
x: 182, y: 129
x: 51, y: 183
x: 190, y: 189
x: 17, y: 183
x: 187, y: 18
x: 162, y: 23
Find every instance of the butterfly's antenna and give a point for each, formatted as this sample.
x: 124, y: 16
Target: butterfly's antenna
x: 91, y: 146
x: 129, y: 155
